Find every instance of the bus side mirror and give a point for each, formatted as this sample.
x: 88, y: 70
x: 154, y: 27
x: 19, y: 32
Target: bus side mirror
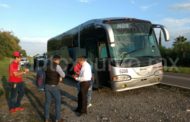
x: 164, y: 30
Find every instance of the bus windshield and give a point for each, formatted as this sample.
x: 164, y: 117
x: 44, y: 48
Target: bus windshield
x: 134, y: 41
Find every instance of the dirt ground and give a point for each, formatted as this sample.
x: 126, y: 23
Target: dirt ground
x: 157, y: 103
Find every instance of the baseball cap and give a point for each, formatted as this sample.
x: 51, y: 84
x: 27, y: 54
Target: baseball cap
x: 17, y: 54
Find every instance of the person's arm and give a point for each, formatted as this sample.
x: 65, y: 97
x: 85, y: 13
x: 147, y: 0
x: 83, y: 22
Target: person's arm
x: 60, y: 71
x: 19, y: 73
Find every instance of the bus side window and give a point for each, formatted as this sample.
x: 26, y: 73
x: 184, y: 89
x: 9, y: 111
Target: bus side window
x: 103, y: 51
x: 75, y: 40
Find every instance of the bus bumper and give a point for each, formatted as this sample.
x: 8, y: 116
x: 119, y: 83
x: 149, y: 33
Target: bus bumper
x: 136, y: 83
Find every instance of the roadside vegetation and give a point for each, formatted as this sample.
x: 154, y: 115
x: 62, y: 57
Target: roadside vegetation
x: 4, y: 63
x: 177, y: 58
x: 185, y: 70
x: 1, y: 91
x: 8, y: 44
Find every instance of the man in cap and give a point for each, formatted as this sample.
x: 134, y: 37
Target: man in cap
x: 16, y: 83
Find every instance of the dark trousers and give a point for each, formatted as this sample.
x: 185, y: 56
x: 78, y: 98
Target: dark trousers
x: 82, y: 97
x: 52, y: 92
x: 16, y: 94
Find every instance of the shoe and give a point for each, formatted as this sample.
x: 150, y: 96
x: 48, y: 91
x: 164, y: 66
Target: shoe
x: 19, y: 109
x: 12, y: 110
x: 89, y: 105
x: 188, y: 110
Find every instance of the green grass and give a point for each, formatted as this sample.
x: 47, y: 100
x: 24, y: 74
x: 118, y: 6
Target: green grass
x: 185, y: 70
x: 4, y: 66
x: 1, y: 91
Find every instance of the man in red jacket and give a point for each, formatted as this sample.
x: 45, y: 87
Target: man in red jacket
x: 16, y: 83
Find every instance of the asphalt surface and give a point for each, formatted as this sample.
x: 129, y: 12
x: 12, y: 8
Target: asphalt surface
x: 177, y: 79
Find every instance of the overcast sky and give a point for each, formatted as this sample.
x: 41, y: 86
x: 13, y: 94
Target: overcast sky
x: 35, y: 21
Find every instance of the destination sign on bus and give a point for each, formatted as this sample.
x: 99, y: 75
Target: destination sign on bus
x: 131, y: 27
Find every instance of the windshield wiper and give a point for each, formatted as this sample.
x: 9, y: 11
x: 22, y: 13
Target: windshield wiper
x: 125, y: 54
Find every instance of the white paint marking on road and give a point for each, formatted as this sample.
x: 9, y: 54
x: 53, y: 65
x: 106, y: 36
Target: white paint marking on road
x: 177, y: 77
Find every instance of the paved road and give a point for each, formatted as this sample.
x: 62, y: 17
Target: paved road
x: 177, y: 79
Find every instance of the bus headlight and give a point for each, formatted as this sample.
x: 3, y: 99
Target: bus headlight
x: 121, y: 78
x: 158, y: 72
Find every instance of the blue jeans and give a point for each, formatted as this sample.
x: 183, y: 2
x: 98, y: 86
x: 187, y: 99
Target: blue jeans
x: 16, y: 94
x: 52, y: 92
x: 89, y: 95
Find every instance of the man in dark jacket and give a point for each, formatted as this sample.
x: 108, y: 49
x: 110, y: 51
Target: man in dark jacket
x: 53, y: 74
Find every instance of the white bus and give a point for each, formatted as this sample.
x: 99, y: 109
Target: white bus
x: 123, y: 52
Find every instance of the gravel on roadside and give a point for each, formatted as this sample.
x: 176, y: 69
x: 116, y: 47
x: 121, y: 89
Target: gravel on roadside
x: 157, y: 103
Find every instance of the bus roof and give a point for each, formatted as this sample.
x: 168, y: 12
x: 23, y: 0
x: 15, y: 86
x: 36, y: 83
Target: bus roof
x: 99, y: 21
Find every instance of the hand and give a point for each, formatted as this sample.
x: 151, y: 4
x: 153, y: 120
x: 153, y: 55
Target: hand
x: 26, y: 70
x: 75, y: 77
x: 14, y: 85
x: 60, y: 79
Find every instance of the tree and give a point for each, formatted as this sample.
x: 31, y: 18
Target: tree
x: 181, y: 47
x: 8, y: 44
x: 180, y: 43
x: 23, y: 52
x: 180, y: 50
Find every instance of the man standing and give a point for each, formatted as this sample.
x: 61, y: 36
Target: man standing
x: 16, y: 83
x: 76, y: 69
x: 84, y: 79
x: 53, y: 74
